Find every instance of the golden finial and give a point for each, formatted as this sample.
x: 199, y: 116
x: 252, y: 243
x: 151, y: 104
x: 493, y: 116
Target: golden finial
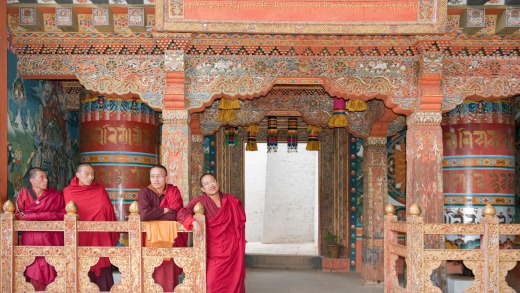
x: 134, y: 208
x: 489, y: 210
x: 199, y: 208
x: 9, y: 207
x: 71, y: 208
x: 414, y: 210
x: 390, y: 210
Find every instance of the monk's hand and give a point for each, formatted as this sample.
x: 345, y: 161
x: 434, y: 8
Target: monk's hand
x: 197, y: 229
x: 166, y: 210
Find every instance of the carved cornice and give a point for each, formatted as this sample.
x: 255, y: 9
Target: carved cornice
x: 211, y: 77
x: 424, y: 119
x: 314, y: 106
x: 450, y: 44
x: 121, y: 75
x: 376, y: 141
x: 397, y: 125
x: 175, y: 117
x: 360, y: 123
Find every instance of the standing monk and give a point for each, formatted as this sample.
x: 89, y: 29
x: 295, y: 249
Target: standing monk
x: 93, y: 205
x: 36, y: 202
x: 161, y: 202
x: 225, y: 236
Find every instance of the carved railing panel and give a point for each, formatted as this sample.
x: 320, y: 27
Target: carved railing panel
x: 72, y: 262
x: 489, y: 264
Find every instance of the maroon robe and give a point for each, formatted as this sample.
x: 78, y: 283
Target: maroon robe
x: 225, y: 240
x: 94, y: 205
x: 151, y: 208
x: 48, y: 207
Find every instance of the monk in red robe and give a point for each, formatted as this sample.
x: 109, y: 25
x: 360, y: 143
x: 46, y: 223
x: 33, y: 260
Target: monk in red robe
x: 161, y: 202
x: 225, y: 236
x: 93, y: 205
x: 36, y: 202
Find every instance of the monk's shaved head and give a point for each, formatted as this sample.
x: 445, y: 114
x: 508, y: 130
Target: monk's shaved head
x: 83, y: 165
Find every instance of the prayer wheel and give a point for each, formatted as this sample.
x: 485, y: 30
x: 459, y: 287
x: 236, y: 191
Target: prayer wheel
x: 120, y: 139
x: 478, y: 165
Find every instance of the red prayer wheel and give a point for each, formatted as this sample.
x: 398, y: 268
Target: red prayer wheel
x: 478, y: 164
x: 120, y: 139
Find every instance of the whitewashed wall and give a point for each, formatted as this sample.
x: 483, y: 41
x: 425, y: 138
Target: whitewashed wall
x: 281, y: 195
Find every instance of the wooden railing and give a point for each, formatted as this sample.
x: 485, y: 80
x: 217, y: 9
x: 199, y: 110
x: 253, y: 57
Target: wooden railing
x: 489, y: 264
x: 72, y: 262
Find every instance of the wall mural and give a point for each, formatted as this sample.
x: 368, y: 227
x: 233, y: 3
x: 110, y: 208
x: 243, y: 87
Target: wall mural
x: 40, y: 132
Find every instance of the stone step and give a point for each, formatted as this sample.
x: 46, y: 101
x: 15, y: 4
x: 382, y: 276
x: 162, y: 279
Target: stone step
x: 283, y: 261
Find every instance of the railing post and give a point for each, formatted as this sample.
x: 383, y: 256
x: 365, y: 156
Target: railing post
x: 390, y: 238
x: 415, y: 250
x: 134, y: 244
x: 7, y: 247
x: 489, y: 243
x: 70, y: 246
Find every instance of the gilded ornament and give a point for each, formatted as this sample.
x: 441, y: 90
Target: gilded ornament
x: 9, y: 207
x: 134, y: 208
x: 199, y: 208
x: 71, y: 208
x: 489, y: 210
x: 389, y: 210
x: 414, y: 210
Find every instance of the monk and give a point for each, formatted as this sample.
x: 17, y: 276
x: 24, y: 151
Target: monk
x: 37, y: 202
x: 93, y: 205
x: 225, y: 236
x: 161, y: 202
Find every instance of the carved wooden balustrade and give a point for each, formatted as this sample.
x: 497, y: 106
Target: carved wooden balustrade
x: 489, y: 264
x: 72, y: 262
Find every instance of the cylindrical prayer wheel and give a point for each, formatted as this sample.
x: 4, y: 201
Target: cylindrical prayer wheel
x: 478, y: 165
x: 120, y: 139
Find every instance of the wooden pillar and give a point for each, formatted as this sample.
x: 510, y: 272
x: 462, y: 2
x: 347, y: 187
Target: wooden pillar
x: 3, y: 103
x: 375, y: 171
x: 175, y: 144
x: 175, y: 149
x: 424, y: 165
x: 197, y: 156
x: 424, y: 176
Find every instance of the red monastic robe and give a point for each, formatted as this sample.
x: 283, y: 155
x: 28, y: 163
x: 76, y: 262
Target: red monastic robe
x: 93, y: 205
x: 225, y: 240
x: 151, y: 208
x: 48, y: 207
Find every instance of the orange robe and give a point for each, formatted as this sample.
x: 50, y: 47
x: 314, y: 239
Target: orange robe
x: 151, y: 208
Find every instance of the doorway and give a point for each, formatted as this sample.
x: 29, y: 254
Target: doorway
x: 281, y: 200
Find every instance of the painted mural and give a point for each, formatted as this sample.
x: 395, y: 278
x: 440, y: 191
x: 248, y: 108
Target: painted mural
x: 40, y: 133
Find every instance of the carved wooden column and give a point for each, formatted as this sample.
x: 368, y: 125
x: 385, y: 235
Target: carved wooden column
x: 424, y: 176
x: 175, y: 144
x: 197, y: 156
x: 424, y: 166
x: 375, y: 197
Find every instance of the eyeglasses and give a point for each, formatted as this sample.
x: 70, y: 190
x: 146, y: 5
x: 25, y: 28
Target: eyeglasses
x: 157, y: 176
x: 209, y: 182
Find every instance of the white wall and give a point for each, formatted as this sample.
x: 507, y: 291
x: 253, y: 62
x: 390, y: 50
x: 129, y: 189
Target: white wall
x: 255, y: 166
x: 281, y: 195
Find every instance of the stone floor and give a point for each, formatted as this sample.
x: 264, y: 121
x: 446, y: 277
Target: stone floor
x: 304, y: 281
x: 280, y: 280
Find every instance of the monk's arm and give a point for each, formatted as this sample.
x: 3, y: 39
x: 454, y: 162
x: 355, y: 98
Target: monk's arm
x: 185, y: 215
x: 150, y: 213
